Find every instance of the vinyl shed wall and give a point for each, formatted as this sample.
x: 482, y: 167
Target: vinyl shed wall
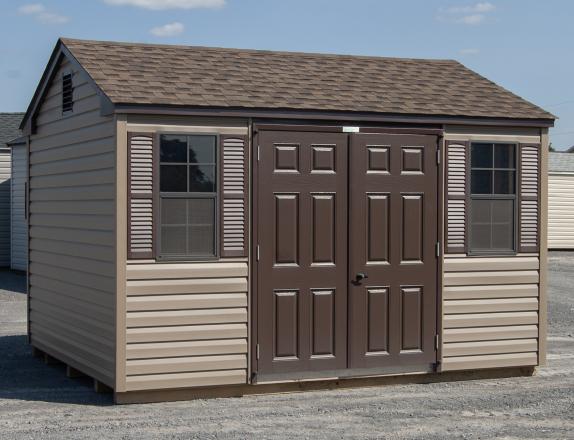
x: 5, y: 180
x: 19, y: 223
x: 493, y: 308
x: 186, y: 323
x: 72, y: 267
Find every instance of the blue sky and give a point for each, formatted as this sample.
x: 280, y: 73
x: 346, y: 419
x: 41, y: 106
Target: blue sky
x: 526, y: 46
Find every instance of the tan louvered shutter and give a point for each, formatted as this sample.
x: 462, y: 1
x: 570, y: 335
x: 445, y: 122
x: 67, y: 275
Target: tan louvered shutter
x: 456, y: 189
x: 140, y: 195
x: 528, y: 194
x: 234, y: 192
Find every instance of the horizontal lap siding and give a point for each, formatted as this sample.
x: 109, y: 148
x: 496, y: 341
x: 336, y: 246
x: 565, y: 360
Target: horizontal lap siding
x: 19, y: 224
x: 72, y: 235
x: 186, y: 324
x: 5, y: 207
x: 561, y: 211
x: 490, y: 312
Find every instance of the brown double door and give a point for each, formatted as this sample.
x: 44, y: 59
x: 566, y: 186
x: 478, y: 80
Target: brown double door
x: 346, y: 271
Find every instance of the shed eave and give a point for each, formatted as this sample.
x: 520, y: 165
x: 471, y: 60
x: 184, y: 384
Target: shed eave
x: 177, y: 110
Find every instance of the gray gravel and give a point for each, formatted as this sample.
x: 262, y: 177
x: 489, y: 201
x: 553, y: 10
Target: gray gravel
x: 39, y: 402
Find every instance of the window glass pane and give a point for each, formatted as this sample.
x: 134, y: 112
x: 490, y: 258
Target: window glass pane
x: 173, y: 178
x: 504, y: 156
x: 481, y: 182
x: 502, y: 211
x: 201, y: 149
x: 201, y: 227
x: 481, y: 156
x: 202, y: 178
x: 201, y: 241
x: 173, y: 240
x: 201, y: 212
x: 492, y: 225
x: 480, y: 224
x: 502, y: 237
x: 173, y: 212
x: 173, y: 149
x: 480, y: 212
x: 504, y: 182
x: 480, y: 237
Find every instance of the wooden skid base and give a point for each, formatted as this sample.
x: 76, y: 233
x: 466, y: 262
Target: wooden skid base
x: 100, y: 387
x: 49, y: 360
x: 71, y: 371
x: 313, y: 385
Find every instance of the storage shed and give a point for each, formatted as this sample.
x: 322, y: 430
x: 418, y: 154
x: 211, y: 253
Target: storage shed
x: 18, y: 212
x: 561, y: 201
x: 208, y: 221
x: 9, y: 129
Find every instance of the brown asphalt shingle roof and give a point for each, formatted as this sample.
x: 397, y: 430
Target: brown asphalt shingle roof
x: 234, y: 78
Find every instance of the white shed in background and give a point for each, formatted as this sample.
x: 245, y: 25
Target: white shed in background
x: 561, y: 201
x: 18, y: 217
x: 4, y: 206
x: 9, y: 129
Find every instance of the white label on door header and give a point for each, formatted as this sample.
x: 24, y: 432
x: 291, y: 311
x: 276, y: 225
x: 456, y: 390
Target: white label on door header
x: 351, y: 129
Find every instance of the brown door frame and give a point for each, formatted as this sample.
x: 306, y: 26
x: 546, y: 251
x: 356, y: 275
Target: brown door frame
x: 253, y: 263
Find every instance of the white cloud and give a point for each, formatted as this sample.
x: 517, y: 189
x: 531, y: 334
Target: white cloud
x: 35, y: 8
x: 40, y: 13
x: 471, y: 14
x: 157, y: 5
x: 469, y: 51
x: 478, y: 8
x: 472, y: 19
x: 168, y: 30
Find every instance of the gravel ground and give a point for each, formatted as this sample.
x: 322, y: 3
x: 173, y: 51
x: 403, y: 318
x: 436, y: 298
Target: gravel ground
x: 39, y: 402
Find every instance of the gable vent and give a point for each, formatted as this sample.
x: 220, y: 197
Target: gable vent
x: 67, y: 93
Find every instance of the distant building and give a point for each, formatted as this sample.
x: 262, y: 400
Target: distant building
x: 561, y: 200
x: 9, y: 123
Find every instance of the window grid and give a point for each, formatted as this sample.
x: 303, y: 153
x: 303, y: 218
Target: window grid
x: 494, y: 197
x: 187, y: 198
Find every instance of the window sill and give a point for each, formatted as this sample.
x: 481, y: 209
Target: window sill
x: 187, y: 259
x: 492, y: 254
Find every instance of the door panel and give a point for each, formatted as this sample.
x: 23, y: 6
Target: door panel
x: 392, y: 237
x: 302, y: 270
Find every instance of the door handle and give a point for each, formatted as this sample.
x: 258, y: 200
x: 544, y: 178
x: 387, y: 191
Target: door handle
x: 360, y: 277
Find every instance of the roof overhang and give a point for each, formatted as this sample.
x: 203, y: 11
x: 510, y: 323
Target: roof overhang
x: 17, y: 141
x: 168, y: 110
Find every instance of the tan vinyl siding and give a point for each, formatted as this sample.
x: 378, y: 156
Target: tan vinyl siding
x: 19, y: 223
x: 561, y: 211
x: 72, y: 230
x: 490, y: 312
x: 186, y: 324
x: 5, y: 182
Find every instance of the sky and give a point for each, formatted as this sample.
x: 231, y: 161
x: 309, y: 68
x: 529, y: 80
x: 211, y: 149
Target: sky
x: 526, y: 46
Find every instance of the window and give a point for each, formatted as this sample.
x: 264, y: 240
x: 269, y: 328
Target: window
x: 67, y: 93
x: 188, y: 196
x: 492, y: 198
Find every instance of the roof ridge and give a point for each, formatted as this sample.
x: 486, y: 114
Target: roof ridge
x: 255, y: 51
